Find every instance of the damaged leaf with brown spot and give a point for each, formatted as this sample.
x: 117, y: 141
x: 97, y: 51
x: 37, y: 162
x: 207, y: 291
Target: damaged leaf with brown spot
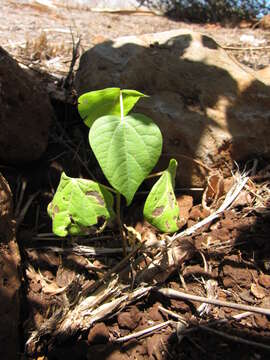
x: 161, y: 208
x: 79, y: 204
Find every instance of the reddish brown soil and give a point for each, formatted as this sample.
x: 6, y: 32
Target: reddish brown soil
x: 236, y: 248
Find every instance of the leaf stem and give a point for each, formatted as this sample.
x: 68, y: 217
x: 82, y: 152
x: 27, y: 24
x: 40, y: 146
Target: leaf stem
x: 109, y: 188
x: 121, y: 106
x: 155, y: 175
x: 120, y: 225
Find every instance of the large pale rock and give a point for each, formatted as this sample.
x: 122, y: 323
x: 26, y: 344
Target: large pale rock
x: 102, y: 5
x: 264, y: 75
x: 264, y: 23
x: 208, y: 107
x: 25, y: 114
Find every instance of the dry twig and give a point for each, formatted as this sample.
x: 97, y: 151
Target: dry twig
x: 82, y: 250
x: 171, y: 293
x: 229, y: 199
x: 75, y: 55
x: 145, y: 332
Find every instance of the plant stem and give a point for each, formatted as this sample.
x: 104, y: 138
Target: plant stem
x: 121, y: 106
x: 120, y: 225
x: 155, y: 175
x: 109, y: 188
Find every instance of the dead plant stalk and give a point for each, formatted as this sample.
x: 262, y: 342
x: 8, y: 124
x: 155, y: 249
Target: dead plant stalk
x: 171, y: 293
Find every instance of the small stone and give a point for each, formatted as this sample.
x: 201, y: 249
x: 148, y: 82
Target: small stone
x: 258, y: 291
x: 131, y: 319
x: 264, y: 280
x: 154, y: 313
x: 261, y: 321
x: 98, y: 334
x: 185, y: 203
x: 228, y: 282
x: 128, y: 319
x: 238, y: 275
x: 195, y: 213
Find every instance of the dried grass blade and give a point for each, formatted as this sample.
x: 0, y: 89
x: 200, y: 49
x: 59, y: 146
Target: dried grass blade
x: 229, y: 199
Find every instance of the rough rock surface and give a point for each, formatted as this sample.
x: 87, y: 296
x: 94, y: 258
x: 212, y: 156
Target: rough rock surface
x: 9, y: 277
x: 102, y: 5
x: 264, y: 23
x: 25, y: 115
x: 208, y: 106
x: 264, y: 75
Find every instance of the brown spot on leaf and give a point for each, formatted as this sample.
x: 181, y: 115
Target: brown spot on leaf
x: 168, y: 225
x: 171, y: 199
x: 56, y: 209
x: 158, y: 211
x: 97, y: 196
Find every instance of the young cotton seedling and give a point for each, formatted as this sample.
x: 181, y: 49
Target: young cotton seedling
x: 127, y: 147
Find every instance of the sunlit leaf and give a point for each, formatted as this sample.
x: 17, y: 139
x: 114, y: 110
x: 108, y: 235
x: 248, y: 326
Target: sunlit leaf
x: 161, y: 208
x: 127, y: 150
x: 78, y: 204
x: 130, y: 98
x: 95, y: 104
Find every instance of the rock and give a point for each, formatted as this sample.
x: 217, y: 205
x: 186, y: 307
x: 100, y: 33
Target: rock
x: 198, y: 213
x: 25, y: 115
x: 98, y: 334
x: 185, y: 203
x: 119, y: 6
x: 125, y: 321
x: 208, y: 107
x: 264, y: 23
x: 129, y: 319
x: 9, y: 277
x: 264, y: 75
x: 233, y: 275
x: 258, y: 291
x: 154, y: 312
x: 264, y: 280
x: 261, y: 321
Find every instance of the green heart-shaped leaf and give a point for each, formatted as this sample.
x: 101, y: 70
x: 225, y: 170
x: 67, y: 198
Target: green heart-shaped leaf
x: 95, y: 104
x: 127, y: 149
x: 161, y: 208
x: 79, y: 204
x: 130, y: 98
